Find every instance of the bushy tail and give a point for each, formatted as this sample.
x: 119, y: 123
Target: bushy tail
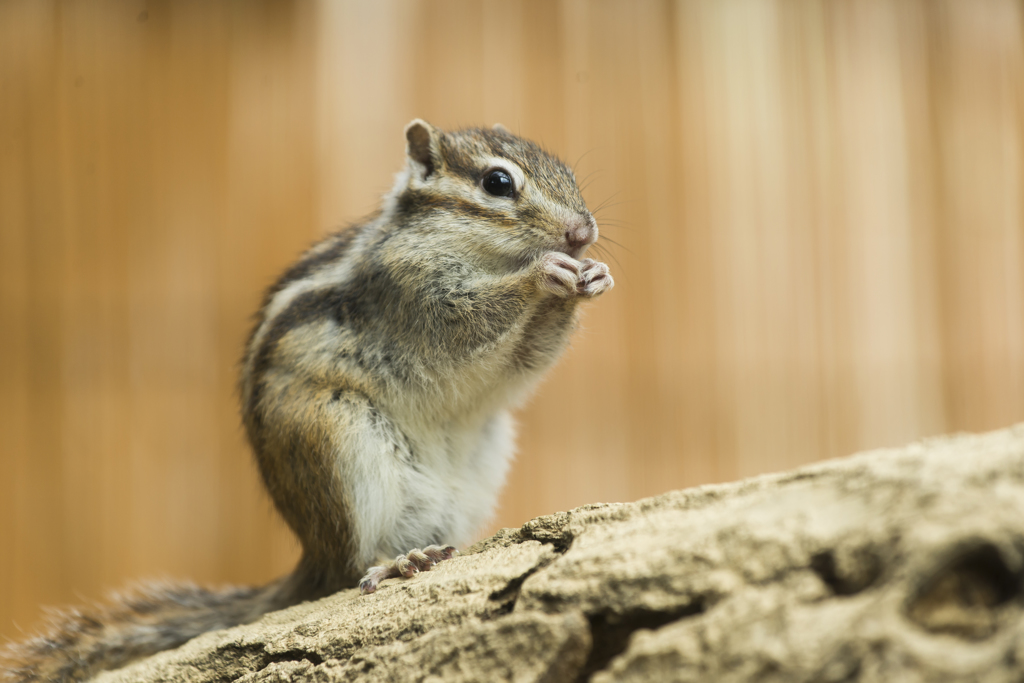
x: 147, y: 620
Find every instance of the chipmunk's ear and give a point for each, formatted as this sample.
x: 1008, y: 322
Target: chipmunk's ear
x: 501, y: 129
x: 423, y: 146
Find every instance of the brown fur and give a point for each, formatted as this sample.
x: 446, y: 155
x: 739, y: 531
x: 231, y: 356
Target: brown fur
x: 395, y: 346
x: 152, y: 618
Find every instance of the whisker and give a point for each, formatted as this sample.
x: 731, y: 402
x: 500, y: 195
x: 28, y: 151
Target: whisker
x: 618, y: 244
x: 604, y: 204
x: 616, y: 224
x: 606, y: 253
x: 599, y: 249
x: 581, y: 159
x: 588, y: 179
x: 605, y: 207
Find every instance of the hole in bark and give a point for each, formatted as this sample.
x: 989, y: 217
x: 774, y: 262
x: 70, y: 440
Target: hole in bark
x: 852, y: 572
x: 962, y: 597
x: 296, y: 656
x: 610, y: 632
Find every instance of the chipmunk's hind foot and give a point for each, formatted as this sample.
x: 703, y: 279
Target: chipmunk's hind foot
x: 408, y: 565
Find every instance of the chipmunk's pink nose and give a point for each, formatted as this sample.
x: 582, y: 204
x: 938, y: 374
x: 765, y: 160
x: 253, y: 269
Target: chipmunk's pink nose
x: 580, y: 231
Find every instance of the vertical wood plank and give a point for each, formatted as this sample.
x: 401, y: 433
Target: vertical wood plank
x: 33, y: 313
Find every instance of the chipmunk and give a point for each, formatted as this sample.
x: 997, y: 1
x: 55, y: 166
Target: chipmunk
x: 377, y: 383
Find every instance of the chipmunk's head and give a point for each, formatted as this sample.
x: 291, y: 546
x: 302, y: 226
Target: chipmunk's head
x: 502, y: 195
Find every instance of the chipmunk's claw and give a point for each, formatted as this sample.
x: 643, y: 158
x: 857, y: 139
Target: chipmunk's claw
x: 594, y: 279
x: 407, y: 566
x: 559, y: 274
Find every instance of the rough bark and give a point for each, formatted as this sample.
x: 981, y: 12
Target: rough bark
x: 901, y: 564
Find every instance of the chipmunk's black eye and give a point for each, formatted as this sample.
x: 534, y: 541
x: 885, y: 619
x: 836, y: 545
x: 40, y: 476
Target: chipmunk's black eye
x: 499, y: 183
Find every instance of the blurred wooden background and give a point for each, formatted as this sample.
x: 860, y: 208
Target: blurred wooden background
x: 820, y: 208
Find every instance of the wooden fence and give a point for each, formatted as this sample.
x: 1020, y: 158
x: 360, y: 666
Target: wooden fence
x: 817, y: 211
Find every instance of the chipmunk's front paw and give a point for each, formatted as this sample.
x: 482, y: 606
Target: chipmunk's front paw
x: 594, y: 279
x: 559, y: 274
x: 410, y: 564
